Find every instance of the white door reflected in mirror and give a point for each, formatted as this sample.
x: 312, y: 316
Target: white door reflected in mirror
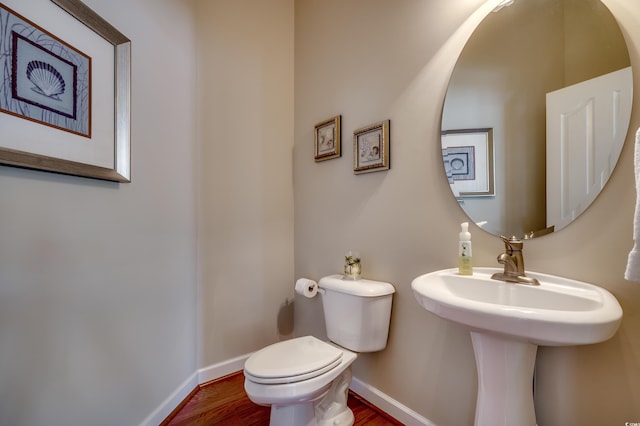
x: 586, y: 128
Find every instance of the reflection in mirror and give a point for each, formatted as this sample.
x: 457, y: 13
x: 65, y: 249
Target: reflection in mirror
x: 550, y: 160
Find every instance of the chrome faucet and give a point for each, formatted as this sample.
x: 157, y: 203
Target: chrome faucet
x: 513, y: 262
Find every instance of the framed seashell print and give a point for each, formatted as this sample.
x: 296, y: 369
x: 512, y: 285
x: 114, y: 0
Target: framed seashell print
x: 327, y: 139
x: 371, y: 148
x: 49, y: 116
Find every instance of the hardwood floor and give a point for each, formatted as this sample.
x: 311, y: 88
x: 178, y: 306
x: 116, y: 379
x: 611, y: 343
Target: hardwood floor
x: 224, y: 402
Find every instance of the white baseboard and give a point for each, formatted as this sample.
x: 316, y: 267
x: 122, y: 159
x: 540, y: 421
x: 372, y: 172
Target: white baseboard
x: 379, y: 399
x: 201, y: 376
x: 169, y: 404
x: 222, y: 369
x: 389, y: 405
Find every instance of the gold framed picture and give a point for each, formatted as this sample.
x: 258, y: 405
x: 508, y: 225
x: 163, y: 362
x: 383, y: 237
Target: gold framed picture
x: 327, y: 139
x: 371, y: 148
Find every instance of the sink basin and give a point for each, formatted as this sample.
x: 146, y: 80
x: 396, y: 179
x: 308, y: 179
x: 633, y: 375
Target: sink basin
x: 508, y: 322
x: 559, y: 311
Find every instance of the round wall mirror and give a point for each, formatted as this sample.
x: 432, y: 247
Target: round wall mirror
x: 535, y: 115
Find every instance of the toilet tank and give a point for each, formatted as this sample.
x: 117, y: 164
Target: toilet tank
x: 357, y: 313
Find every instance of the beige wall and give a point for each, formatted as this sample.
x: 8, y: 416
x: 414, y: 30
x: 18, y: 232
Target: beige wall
x: 245, y: 193
x: 135, y: 286
x: 112, y: 296
x: 98, y: 280
x: 371, y: 60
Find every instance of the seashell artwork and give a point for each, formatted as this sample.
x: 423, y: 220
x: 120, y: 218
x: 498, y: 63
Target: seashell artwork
x: 46, y: 79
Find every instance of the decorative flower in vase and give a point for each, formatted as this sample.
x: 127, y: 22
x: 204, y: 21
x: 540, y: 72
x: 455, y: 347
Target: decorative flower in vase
x: 352, y: 268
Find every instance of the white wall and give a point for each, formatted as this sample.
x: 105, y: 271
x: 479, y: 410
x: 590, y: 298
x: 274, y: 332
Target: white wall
x: 371, y: 60
x: 98, y: 280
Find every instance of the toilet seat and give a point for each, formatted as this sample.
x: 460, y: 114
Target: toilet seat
x: 292, y: 361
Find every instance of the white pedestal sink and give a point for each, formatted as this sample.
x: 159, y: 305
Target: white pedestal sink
x: 508, y: 322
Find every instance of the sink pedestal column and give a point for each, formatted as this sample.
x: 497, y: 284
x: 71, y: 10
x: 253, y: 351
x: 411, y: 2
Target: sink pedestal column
x: 505, y: 380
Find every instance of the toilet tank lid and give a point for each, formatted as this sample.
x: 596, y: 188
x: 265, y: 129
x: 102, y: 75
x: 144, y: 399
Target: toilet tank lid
x: 361, y: 288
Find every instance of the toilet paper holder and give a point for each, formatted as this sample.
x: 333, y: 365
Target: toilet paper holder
x: 307, y: 287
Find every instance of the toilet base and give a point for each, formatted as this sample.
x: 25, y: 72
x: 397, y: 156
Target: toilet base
x: 329, y: 410
x: 298, y: 414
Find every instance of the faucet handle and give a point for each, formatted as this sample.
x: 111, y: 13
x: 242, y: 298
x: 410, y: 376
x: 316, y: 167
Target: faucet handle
x: 511, y: 244
x: 507, y: 244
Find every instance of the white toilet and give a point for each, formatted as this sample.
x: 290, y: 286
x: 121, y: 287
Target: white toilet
x: 306, y: 380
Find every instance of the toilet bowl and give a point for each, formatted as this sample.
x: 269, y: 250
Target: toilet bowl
x: 306, y: 380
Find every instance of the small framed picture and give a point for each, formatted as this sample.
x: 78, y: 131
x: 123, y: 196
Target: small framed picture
x: 468, y: 161
x: 327, y: 139
x: 371, y: 148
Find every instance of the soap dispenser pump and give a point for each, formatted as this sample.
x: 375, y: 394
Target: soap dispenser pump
x: 465, y: 266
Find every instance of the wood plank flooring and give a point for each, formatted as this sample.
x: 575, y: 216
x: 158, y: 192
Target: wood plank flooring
x: 224, y: 402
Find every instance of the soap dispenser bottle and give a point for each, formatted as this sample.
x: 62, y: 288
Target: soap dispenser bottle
x: 465, y: 266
